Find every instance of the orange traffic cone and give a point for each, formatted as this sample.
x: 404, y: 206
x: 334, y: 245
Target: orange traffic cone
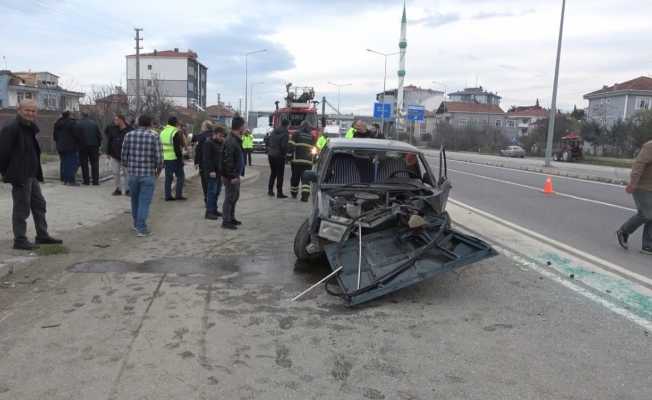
x: 547, y: 188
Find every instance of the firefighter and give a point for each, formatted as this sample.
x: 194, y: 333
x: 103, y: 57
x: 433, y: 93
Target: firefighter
x: 301, y: 146
x: 321, y: 142
x: 357, y: 130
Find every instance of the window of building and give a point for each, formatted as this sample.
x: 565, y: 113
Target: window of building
x: 643, y: 103
x: 510, y: 123
x: 463, y: 122
x: 603, y: 100
x: 149, y: 67
x: 499, y: 123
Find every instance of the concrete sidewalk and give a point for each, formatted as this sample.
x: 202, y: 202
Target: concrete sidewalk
x: 69, y: 209
x: 619, y: 176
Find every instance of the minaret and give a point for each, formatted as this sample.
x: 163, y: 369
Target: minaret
x: 402, y: 45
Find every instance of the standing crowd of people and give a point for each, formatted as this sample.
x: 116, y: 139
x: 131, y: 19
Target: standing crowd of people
x: 139, y: 154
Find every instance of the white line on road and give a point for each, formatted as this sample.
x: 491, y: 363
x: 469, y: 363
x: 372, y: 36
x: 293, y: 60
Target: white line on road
x: 514, y: 169
x: 570, y: 196
x: 644, y: 280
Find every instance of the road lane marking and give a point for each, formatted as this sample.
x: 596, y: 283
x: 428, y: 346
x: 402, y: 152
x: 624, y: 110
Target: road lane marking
x: 525, y: 171
x: 570, y: 196
x: 614, y: 292
x: 644, y: 280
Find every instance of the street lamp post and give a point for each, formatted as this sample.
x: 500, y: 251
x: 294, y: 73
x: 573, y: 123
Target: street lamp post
x: 251, y: 95
x: 553, y: 104
x: 382, y: 117
x: 246, y: 80
x: 339, y: 92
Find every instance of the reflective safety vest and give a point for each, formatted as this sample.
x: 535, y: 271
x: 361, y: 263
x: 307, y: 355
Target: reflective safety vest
x: 350, y: 134
x: 247, y: 142
x: 167, y: 141
x: 321, y: 142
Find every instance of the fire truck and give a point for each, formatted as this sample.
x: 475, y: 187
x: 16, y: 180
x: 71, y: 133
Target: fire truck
x: 300, y: 105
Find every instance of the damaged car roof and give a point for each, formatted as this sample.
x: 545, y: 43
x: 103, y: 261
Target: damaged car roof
x: 367, y: 144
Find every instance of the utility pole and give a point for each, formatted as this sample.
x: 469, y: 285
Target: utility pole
x: 138, y: 48
x: 553, y: 105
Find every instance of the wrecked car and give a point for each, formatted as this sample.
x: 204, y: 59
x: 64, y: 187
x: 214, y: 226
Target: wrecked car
x: 379, y: 217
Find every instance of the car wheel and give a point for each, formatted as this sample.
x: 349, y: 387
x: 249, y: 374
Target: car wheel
x: 301, y: 241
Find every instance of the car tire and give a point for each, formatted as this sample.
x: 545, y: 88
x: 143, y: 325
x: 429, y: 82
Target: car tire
x: 301, y: 241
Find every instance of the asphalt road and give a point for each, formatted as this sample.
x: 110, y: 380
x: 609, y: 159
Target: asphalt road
x: 583, y: 214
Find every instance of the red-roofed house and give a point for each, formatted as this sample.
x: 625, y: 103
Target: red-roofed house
x: 620, y: 101
x: 179, y: 76
x: 465, y: 114
x: 519, y: 121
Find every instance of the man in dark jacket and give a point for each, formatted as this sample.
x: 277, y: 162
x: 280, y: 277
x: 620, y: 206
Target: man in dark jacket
x: 211, y: 168
x: 68, y: 143
x: 302, y: 146
x: 232, y: 167
x: 277, y: 149
x: 115, y: 135
x: 207, y: 130
x: 20, y: 165
x: 90, y: 150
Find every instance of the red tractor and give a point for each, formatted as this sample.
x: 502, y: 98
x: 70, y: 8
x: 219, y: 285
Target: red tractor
x: 570, y: 149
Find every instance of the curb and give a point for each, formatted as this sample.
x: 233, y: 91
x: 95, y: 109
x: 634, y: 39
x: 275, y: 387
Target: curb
x: 542, y: 170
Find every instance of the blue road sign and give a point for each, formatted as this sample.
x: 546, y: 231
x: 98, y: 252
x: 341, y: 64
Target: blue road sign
x: 416, y: 113
x: 378, y: 110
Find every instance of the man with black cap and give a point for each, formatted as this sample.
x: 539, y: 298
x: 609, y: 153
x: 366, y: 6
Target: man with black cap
x: 173, y: 159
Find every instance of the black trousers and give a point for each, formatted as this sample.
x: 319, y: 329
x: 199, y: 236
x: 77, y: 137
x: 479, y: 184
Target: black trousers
x: 204, y: 183
x: 231, y: 196
x: 90, y: 155
x: 277, y: 173
x: 248, y: 155
x: 28, y: 198
x: 297, y: 176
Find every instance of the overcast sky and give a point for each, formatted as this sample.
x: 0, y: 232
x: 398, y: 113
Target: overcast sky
x: 507, y: 46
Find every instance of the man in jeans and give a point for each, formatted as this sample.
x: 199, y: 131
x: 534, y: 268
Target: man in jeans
x: 68, y: 144
x: 211, y: 167
x: 232, y: 167
x: 20, y: 165
x: 172, y: 141
x: 640, y: 186
x: 142, y: 155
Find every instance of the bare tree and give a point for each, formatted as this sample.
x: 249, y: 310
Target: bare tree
x: 154, y: 102
x: 104, y: 102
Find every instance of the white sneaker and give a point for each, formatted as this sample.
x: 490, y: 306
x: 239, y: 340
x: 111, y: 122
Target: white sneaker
x: 143, y: 234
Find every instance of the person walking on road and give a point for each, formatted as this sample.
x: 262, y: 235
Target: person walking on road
x: 640, y: 187
x: 68, y: 144
x: 212, y: 169
x: 20, y: 165
x: 302, y: 146
x: 115, y: 135
x: 232, y: 166
x: 89, y: 153
x: 172, y: 142
x: 207, y: 129
x: 142, y: 155
x: 248, y: 146
x: 277, y: 149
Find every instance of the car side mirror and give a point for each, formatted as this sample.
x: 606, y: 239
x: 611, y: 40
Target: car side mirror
x: 426, y: 179
x: 309, y: 176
